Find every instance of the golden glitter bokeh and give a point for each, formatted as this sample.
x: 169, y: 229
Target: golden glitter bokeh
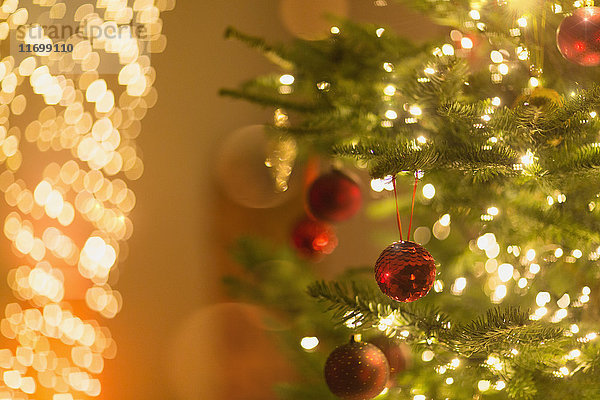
x: 71, y: 206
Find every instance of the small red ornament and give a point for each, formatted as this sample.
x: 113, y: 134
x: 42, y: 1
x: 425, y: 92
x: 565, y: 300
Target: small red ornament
x: 578, y: 37
x: 405, y: 271
x: 396, y: 353
x: 314, y: 238
x: 356, y: 371
x: 334, y: 197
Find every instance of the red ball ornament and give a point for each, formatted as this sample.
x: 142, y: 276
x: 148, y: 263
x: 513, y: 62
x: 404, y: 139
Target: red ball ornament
x: 334, y: 197
x: 314, y: 238
x: 578, y: 37
x: 396, y: 353
x: 405, y: 271
x: 356, y: 371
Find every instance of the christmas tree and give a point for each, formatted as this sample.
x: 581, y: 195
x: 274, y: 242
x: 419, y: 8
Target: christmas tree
x: 491, y: 136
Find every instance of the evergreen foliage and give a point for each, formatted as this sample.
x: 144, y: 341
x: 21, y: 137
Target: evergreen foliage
x: 518, y: 175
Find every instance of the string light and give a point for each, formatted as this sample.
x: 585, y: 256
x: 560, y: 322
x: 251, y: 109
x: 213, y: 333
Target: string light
x: 286, y: 79
x: 474, y: 14
x: 391, y: 114
x: 415, y: 110
x: 309, y: 342
x: 389, y: 90
x: 448, y: 49
x: 428, y: 191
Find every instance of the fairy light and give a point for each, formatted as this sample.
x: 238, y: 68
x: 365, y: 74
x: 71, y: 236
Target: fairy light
x: 466, y: 43
x: 557, y: 8
x: 564, y: 301
x: 483, y: 385
x: 574, y: 328
x: 528, y: 159
x: 522, y: 283
x: 415, y: 110
x: 422, y: 139
x: 559, y: 315
x: 474, y: 14
x: 503, y: 69
x: 534, y: 82
x: 427, y: 355
x: 455, y: 363
x: 323, y: 86
x: 496, y: 56
x: 539, y: 313
x: 388, y: 67
x: 499, y: 385
x: 309, y: 342
x: 449, y: 380
x: 448, y: 49
x: 577, y: 253
x: 378, y: 185
x: 379, y: 32
x: 522, y: 22
x: 586, y: 290
x: 459, y: 285
x: 335, y: 30
x: 429, y: 71
x: 505, y: 272
x: 389, y: 90
x: 494, y: 362
x: 386, y: 322
x: 428, y: 191
x: 496, y: 102
x: 286, y: 79
x: 542, y: 298
x: 391, y: 114
x: 522, y: 53
x: 558, y: 252
x: 493, y: 211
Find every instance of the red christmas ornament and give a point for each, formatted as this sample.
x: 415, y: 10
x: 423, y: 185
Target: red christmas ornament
x: 405, y: 271
x: 396, y: 354
x: 314, y: 238
x: 334, y: 197
x: 578, y: 37
x: 356, y: 371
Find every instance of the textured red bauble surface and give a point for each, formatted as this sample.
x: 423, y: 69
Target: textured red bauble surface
x: 314, y: 238
x: 396, y: 353
x: 334, y: 197
x: 578, y: 37
x: 405, y: 271
x: 356, y: 371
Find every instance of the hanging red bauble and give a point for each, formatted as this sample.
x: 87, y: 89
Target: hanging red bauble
x: 405, y: 271
x: 314, y: 238
x: 396, y: 353
x: 356, y: 371
x: 334, y: 197
x: 578, y: 37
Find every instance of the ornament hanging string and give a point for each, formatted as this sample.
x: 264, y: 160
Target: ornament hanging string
x: 412, y: 207
x: 397, y: 210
